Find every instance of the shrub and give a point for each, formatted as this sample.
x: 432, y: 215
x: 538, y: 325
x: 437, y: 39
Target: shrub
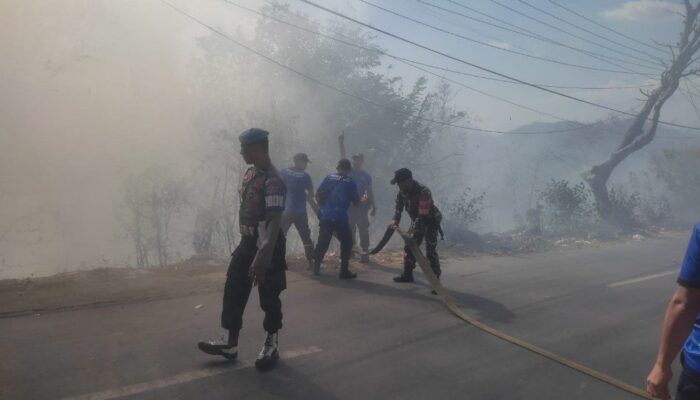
x: 567, y: 208
x: 466, y: 209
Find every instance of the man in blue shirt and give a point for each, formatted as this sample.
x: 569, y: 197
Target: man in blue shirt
x: 681, y: 331
x: 300, y: 189
x: 359, y: 214
x: 334, y: 196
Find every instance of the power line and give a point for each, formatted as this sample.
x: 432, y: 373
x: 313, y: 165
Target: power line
x: 604, y: 26
x: 551, y: 60
x: 587, y: 30
x: 528, y: 33
x: 400, y: 59
x: 689, y: 96
x: 447, y: 20
x: 517, y: 83
x: 319, y: 82
x: 565, y: 31
x: 348, y: 42
x: 333, y: 88
x: 489, y: 70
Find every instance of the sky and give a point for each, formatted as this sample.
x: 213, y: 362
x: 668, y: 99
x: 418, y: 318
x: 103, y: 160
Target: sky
x: 648, y: 21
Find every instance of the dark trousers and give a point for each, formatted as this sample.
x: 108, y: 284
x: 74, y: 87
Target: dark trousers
x: 325, y: 233
x: 239, y: 285
x: 688, y: 384
x: 301, y: 222
x: 359, y: 223
x: 688, y: 388
x: 430, y: 234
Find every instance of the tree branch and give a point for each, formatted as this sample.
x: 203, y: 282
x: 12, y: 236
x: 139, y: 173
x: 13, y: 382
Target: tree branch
x: 695, y: 72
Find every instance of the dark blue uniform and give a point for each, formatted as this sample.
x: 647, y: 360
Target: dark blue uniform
x: 262, y: 191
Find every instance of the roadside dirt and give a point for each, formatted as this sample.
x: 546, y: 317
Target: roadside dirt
x: 106, y: 287
x: 114, y: 286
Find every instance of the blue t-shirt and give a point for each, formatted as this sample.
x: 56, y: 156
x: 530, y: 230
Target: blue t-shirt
x: 690, y: 277
x: 297, y: 183
x: 362, y: 179
x: 340, y: 191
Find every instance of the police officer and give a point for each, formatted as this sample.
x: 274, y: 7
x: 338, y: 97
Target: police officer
x: 259, y: 258
x: 417, y: 201
x: 300, y: 189
x: 334, y: 196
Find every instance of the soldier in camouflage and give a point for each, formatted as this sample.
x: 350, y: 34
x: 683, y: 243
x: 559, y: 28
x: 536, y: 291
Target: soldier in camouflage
x: 259, y: 258
x: 417, y: 201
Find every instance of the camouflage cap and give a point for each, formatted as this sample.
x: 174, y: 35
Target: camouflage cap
x: 401, y: 174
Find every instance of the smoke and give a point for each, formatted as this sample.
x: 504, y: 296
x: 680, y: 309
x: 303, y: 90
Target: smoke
x: 94, y: 94
x: 91, y: 91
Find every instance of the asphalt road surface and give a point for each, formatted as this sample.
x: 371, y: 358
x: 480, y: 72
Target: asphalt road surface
x: 369, y: 338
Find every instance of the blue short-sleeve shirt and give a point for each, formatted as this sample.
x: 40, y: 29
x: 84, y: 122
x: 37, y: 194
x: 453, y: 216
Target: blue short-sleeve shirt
x: 297, y: 183
x: 341, y: 191
x: 362, y: 179
x: 690, y: 277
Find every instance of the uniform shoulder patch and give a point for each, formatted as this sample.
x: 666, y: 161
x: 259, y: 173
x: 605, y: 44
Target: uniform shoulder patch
x: 275, y: 192
x: 425, y: 202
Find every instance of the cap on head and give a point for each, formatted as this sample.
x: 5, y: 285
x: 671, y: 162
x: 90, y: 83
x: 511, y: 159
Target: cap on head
x: 358, y: 156
x: 401, y: 174
x: 344, y: 165
x: 253, y: 135
x: 301, y: 157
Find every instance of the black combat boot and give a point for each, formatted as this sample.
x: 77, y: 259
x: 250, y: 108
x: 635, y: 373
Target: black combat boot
x: 269, y: 353
x: 406, y: 277
x: 345, y: 271
x: 220, y: 347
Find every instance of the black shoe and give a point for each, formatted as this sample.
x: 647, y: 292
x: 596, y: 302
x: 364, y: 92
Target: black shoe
x: 433, y: 292
x: 364, y: 259
x: 346, y: 274
x: 269, y: 353
x: 404, y: 278
x: 219, y: 347
x: 317, y: 269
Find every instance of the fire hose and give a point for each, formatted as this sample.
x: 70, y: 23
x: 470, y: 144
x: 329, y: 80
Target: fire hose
x: 454, y: 309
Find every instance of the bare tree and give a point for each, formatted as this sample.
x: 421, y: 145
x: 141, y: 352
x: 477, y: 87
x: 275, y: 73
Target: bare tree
x: 134, y: 222
x: 639, y: 134
x: 152, y: 200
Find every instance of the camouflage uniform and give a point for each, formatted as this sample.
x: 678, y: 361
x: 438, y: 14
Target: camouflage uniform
x: 262, y: 191
x: 426, y: 218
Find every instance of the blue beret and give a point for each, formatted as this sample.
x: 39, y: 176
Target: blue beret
x: 253, y: 135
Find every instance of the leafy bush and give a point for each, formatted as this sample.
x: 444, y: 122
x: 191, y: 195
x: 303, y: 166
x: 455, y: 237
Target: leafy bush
x: 656, y: 211
x: 631, y: 210
x: 680, y: 172
x: 624, y: 207
x: 466, y: 209
x: 567, y: 207
x: 460, y: 214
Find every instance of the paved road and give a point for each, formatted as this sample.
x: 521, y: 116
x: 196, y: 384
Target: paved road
x: 371, y: 338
